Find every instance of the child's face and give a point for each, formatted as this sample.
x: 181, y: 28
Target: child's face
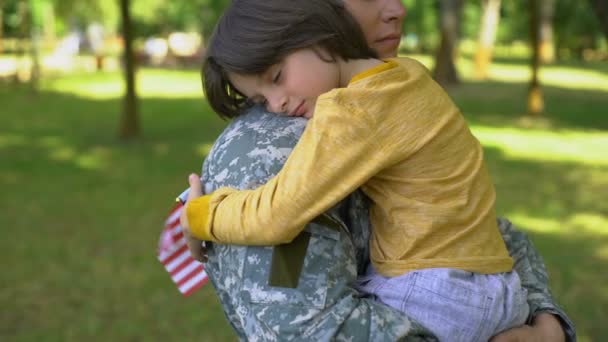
x: 292, y: 86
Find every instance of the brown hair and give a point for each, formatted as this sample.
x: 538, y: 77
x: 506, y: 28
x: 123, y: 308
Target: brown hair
x: 253, y: 35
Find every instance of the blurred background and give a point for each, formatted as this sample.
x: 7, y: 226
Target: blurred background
x: 102, y: 117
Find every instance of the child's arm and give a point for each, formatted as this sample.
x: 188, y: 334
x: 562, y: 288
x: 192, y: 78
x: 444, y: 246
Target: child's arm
x: 337, y: 153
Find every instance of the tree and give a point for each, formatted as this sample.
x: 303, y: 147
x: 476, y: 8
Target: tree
x: 23, y: 30
x: 577, y: 27
x: 450, y: 12
x: 129, y: 127
x: 547, y: 47
x: 600, y: 8
x: 36, y: 13
x: 153, y: 17
x: 1, y: 25
x: 536, y: 104
x: 487, y: 36
x: 421, y: 25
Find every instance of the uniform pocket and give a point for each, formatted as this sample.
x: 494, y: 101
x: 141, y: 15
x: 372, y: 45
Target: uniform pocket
x: 313, y: 282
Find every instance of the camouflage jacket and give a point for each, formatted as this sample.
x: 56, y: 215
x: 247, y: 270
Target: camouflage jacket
x: 321, y: 305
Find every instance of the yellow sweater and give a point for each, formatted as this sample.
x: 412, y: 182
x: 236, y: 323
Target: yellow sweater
x: 396, y: 134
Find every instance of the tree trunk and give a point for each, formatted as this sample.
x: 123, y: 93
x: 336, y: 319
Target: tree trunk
x: 129, y: 127
x: 22, y: 73
x: 34, y: 36
x: 445, y: 69
x: 48, y: 31
x: 547, y: 47
x: 601, y: 11
x: 35, y: 72
x: 487, y: 36
x: 1, y: 26
x: 536, y: 104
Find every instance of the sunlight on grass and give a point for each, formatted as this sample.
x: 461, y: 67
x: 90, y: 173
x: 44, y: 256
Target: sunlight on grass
x: 7, y: 65
x: 602, y: 253
x: 50, y: 141
x: 557, y: 76
x: 595, y: 224
x: 173, y: 84
x: 203, y: 149
x: 592, y: 224
x: 151, y: 83
x: 11, y: 140
x: 187, y: 84
x: 94, y: 159
x: 101, y: 89
x: 63, y: 153
x: 58, y: 150
x: 578, y: 223
x: 538, y: 145
x: 537, y: 224
x: 563, y: 77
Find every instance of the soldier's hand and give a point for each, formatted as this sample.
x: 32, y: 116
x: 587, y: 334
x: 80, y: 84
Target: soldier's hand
x: 546, y: 327
x: 197, y: 250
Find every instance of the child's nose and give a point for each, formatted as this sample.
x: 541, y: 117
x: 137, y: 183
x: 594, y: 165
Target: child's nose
x: 277, y: 104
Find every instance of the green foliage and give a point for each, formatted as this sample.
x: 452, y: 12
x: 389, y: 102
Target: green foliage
x: 12, y: 19
x: 514, y: 22
x: 79, y: 13
x: 421, y: 20
x: 38, y: 9
x: 153, y: 17
x: 471, y: 17
x: 577, y: 26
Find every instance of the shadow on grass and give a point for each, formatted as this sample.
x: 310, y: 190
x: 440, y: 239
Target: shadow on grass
x: 504, y: 105
x: 84, y: 212
x: 68, y: 130
x: 556, y: 190
x: 577, y: 279
x: 600, y: 66
x: 574, y: 252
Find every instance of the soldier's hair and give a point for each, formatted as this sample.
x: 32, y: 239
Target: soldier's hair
x: 253, y: 35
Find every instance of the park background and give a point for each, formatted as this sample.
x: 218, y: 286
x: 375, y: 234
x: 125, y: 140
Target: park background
x: 102, y: 118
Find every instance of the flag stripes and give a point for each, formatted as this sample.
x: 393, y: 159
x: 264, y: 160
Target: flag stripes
x: 186, y: 272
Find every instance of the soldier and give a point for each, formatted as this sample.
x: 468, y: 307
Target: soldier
x: 262, y: 300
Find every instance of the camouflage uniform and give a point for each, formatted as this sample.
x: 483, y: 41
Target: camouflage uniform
x: 323, y: 306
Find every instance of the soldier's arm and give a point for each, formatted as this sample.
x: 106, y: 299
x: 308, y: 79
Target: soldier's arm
x: 531, y: 269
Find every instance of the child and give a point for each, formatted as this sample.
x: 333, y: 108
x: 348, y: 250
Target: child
x: 384, y: 126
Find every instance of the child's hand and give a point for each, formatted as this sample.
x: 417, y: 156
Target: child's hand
x: 195, y: 246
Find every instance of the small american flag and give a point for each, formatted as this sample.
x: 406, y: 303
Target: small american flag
x: 187, y: 273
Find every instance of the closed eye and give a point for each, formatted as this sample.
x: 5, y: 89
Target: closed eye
x: 277, y: 77
x: 257, y: 101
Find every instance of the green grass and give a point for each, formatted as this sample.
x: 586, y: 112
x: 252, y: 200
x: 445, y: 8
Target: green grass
x: 81, y: 211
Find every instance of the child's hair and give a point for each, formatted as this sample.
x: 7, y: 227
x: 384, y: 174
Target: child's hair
x: 253, y: 35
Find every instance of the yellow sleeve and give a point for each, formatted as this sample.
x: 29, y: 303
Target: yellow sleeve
x: 197, y: 211
x: 339, y: 151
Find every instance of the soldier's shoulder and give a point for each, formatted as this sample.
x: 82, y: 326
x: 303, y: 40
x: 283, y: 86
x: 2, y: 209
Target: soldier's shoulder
x: 252, y: 148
